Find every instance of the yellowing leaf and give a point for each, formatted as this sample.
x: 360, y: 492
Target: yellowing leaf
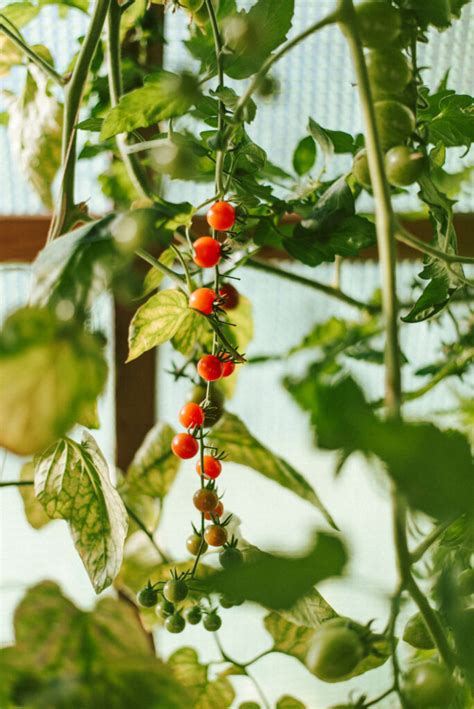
x: 154, y: 466
x: 206, y: 693
x: 72, y: 482
x: 34, y: 512
x: 157, y: 321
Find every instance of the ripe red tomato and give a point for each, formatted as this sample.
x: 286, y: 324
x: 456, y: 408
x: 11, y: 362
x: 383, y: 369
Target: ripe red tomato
x: 207, y: 252
x: 227, y: 368
x: 216, y: 512
x: 221, y: 216
x: 209, y: 368
x: 215, y: 535
x: 184, y: 446
x: 205, y: 500
x: 230, y: 296
x: 191, y: 415
x: 202, y: 299
x: 212, y: 467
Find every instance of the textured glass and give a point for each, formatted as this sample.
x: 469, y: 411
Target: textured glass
x: 316, y: 80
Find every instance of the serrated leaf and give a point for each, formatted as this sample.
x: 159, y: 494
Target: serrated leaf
x: 270, y: 27
x: 232, y: 436
x: 72, y: 482
x: 454, y: 125
x: 50, y: 370
x: 154, y: 467
x: 432, y: 468
x: 34, y: 512
x: 164, y: 95
x: 277, y: 582
x: 304, y: 156
x: 207, y: 694
x: 34, y: 129
x: 157, y: 321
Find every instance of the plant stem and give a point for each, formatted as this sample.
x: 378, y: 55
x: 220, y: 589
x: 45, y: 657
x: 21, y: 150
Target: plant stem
x: 179, y: 280
x: 429, y: 540
x: 385, y: 225
x: 406, y: 237
x: 267, y: 65
x: 75, y: 89
x: 183, y: 263
x: 379, y: 698
x: 221, y: 108
x: 309, y: 283
x: 16, y: 483
x: 144, y: 529
x: 131, y: 162
x: 35, y: 58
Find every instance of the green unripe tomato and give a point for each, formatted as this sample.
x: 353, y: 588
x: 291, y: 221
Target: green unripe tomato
x: 196, y: 544
x: 147, y: 597
x: 360, y: 169
x: 408, y: 96
x: 428, y: 686
x: 230, y: 557
x: 198, y: 394
x: 175, y: 590
x: 466, y: 582
x: 164, y: 609
x: 212, y: 621
x: 395, y: 123
x: 175, y: 623
x: 335, y: 652
x: 194, y: 615
x: 403, y: 166
x: 416, y: 633
x: 226, y: 602
x: 389, y: 70
x: 378, y: 22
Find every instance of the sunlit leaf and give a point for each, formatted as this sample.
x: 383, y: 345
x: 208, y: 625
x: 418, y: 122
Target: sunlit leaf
x: 72, y: 482
x: 190, y: 673
x: 154, y: 467
x: 34, y: 512
x: 232, y: 436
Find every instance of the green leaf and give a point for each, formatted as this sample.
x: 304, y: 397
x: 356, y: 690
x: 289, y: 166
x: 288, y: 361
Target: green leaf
x: 50, y: 369
x: 433, y: 300
x: 347, y: 238
x: 72, y: 482
x: 108, y: 655
x: 154, y: 467
x: 416, y: 633
x: 270, y: 29
x: 158, y: 320
x: 288, y: 702
x: 34, y: 512
x: 323, y: 140
x: 304, y: 156
x: 154, y: 277
x: 230, y: 99
x: 34, y: 128
x: 432, y: 468
x: 240, y: 336
x: 19, y: 13
x: 207, y: 694
x: 454, y: 125
x: 164, y: 95
x: 232, y: 436
x: 192, y: 328
x: 91, y: 124
x: 277, y: 581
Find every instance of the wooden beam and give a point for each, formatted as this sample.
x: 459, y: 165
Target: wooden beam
x: 21, y: 238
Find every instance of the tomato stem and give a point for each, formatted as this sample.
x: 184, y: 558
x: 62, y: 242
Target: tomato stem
x: 35, y: 58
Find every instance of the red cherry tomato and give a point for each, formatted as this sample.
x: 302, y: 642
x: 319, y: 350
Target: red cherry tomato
x: 191, y: 415
x: 184, y: 446
x: 207, y: 252
x: 215, y: 535
x: 202, y: 299
x: 221, y: 216
x: 227, y: 368
x: 216, y: 512
x: 230, y: 296
x: 209, y: 368
x: 212, y: 467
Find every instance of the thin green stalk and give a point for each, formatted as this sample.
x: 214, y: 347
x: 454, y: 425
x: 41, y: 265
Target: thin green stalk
x: 221, y: 108
x: 132, y: 163
x: 181, y: 259
x: 309, y: 283
x: 429, y: 540
x: 146, y: 531
x: 179, y: 280
x: 16, y: 483
x: 75, y: 89
x: 35, y: 58
x: 405, y: 237
x: 267, y: 65
x: 201, y: 460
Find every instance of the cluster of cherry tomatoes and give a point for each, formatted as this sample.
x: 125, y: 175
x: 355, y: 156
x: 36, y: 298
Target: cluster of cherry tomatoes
x: 194, y: 416
x: 394, y: 91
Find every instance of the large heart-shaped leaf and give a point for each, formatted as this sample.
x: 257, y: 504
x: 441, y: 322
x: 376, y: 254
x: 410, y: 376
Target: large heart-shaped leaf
x: 72, y: 482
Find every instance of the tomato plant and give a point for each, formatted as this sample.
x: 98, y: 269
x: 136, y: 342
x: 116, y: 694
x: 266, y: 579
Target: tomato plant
x: 338, y: 196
